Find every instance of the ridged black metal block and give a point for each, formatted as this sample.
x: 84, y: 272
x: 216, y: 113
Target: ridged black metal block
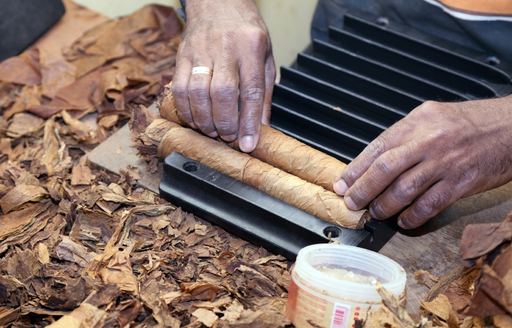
x: 344, y: 90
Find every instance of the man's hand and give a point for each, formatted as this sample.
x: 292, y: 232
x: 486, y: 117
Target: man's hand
x: 229, y: 37
x: 439, y: 153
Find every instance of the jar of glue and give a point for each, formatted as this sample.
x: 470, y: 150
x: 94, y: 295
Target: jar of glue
x: 336, y: 285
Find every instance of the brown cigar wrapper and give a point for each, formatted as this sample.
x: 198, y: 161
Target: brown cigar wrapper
x: 260, y: 175
x: 279, y: 150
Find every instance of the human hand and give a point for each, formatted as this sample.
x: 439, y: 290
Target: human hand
x: 439, y: 153
x: 229, y: 37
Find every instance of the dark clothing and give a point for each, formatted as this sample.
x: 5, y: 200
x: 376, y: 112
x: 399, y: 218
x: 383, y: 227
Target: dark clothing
x: 23, y: 21
x: 491, y: 37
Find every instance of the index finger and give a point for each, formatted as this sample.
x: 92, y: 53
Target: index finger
x: 360, y: 164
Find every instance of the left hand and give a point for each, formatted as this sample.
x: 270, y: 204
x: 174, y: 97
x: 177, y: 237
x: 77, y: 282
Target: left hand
x: 439, y: 153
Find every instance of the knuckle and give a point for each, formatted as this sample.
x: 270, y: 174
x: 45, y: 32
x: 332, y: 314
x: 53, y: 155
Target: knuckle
x: 349, y: 175
x: 257, y: 40
x: 204, y: 126
x: 226, y: 126
x: 378, y: 146
x: 433, y: 203
x: 256, y: 35
x: 179, y: 90
x: 253, y: 94
x: 224, y: 94
x: 199, y: 93
x: 383, y: 166
x: 439, y: 135
x: 407, y: 188
x: 249, y: 126
x: 358, y: 196
x: 431, y: 107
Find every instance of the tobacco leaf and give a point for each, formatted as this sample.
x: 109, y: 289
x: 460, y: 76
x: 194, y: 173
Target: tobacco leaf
x: 20, y: 195
x: 201, y: 290
x: 86, y: 315
x: 21, y: 264
x: 502, y: 321
x: 493, y: 291
x: 206, y: 317
x: 442, y: 310
x: 21, y: 70
x: 81, y: 173
x: 28, y: 97
x: 481, y: 239
x: 13, y: 293
x: 54, y: 155
x: 19, y: 226
x: 22, y: 124
x: 118, y: 271
x: 59, y: 287
x: 68, y: 250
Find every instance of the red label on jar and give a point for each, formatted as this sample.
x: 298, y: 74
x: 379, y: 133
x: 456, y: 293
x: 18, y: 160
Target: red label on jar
x: 292, y: 300
x: 341, y: 315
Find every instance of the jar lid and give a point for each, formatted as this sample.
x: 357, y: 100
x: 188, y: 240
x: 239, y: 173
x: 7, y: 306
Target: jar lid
x: 311, y: 259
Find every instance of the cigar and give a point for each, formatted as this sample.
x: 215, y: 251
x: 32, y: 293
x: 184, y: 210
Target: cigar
x: 284, y: 186
x: 278, y: 149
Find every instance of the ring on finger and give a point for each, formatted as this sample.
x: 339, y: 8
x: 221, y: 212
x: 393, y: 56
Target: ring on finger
x: 202, y: 70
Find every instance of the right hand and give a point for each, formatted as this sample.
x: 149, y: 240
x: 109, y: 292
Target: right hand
x: 231, y: 38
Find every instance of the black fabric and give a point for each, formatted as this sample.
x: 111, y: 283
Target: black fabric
x: 492, y: 37
x: 23, y: 21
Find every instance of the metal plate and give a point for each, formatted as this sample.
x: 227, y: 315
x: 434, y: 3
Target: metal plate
x: 254, y: 215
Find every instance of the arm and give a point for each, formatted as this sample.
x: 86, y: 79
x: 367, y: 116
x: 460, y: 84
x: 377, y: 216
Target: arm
x: 229, y: 37
x: 439, y: 153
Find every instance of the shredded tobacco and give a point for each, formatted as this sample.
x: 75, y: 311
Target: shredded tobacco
x: 80, y: 247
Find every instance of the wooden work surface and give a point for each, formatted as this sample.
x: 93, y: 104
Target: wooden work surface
x: 434, y: 247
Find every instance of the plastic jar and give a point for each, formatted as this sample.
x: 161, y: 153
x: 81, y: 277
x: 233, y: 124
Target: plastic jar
x: 320, y: 299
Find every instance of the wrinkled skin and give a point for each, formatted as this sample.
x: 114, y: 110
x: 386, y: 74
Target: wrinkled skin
x: 234, y: 42
x: 439, y: 153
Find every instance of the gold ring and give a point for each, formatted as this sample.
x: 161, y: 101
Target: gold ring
x: 201, y: 70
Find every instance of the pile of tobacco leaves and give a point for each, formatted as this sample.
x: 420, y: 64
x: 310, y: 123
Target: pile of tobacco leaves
x: 81, y: 247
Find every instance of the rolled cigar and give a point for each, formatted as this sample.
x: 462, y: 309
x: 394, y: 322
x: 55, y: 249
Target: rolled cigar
x: 279, y: 150
x: 284, y: 186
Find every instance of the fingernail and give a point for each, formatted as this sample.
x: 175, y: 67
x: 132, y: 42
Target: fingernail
x: 247, y: 144
x: 340, y: 187
x: 372, y: 213
x: 350, y: 204
x: 401, y: 224
x: 230, y: 138
x: 213, y: 134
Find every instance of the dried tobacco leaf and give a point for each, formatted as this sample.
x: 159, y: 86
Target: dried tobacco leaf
x: 82, y: 174
x: 21, y: 70
x: 23, y: 124
x: 30, y: 96
x: 502, y: 321
x: 481, y: 239
x: 206, y: 317
x: 118, y: 272
x: 493, y: 291
x: 68, y: 250
x: 441, y: 309
x: 20, y: 195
